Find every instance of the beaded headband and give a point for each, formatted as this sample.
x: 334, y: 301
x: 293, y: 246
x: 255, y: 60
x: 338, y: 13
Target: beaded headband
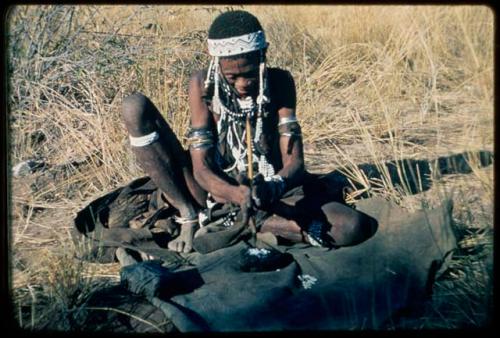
x: 237, y: 44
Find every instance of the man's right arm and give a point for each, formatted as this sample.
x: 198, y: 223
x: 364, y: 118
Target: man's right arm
x: 203, y: 158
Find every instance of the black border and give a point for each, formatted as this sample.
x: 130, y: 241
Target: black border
x: 7, y: 318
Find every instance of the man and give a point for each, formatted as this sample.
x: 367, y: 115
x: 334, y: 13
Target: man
x: 241, y: 112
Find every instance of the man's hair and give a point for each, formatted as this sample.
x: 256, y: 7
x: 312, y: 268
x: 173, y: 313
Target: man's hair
x: 233, y: 23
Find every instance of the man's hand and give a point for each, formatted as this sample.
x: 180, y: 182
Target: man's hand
x: 244, y: 197
x: 266, y: 192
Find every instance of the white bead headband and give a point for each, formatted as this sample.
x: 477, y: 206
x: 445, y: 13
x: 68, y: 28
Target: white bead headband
x: 237, y: 44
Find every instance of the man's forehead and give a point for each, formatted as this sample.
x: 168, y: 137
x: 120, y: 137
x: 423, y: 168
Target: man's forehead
x: 239, y: 64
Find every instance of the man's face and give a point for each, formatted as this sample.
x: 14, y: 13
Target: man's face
x: 242, y: 74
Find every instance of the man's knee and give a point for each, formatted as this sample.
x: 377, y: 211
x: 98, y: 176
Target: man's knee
x: 350, y: 227
x: 364, y: 228
x: 135, y: 111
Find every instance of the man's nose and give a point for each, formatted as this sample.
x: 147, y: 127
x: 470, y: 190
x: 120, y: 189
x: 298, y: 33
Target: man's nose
x: 242, y: 84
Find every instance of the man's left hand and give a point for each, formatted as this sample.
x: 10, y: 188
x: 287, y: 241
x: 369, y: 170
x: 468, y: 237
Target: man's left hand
x: 266, y: 192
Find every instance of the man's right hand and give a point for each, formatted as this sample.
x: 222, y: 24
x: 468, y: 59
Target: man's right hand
x: 244, y: 197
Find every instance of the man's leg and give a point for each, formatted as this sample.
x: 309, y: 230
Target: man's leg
x: 343, y: 226
x: 162, y: 157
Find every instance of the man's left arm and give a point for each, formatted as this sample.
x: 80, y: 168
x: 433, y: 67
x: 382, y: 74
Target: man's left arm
x: 292, y: 153
x: 291, y: 148
x: 290, y: 137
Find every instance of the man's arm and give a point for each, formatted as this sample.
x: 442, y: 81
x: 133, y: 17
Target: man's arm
x: 291, y: 147
x: 267, y: 191
x: 203, y: 157
x: 292, y: 154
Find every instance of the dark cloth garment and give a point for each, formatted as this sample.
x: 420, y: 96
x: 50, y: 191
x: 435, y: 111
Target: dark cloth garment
x: 298, y: 287
x: 315, y: 192
x: 106, y: 221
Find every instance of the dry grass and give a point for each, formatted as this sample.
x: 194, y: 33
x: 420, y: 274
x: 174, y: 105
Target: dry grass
x: 374, y: 83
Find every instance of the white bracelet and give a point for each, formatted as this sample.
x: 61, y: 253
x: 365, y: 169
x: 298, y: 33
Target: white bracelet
x: 145, y: 140
x: 286, y: 120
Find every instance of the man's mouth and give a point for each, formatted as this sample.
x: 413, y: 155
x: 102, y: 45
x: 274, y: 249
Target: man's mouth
x: 247, y: 92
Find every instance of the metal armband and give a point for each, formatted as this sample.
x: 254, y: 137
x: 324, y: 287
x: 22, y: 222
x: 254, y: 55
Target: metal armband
x: 289, y: 126
x: 199, y: 138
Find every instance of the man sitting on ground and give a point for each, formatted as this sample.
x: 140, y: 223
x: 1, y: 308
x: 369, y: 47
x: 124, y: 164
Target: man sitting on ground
x: 241, y: 111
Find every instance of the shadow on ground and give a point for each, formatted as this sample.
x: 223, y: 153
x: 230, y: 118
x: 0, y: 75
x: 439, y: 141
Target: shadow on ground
x: 418, y: 174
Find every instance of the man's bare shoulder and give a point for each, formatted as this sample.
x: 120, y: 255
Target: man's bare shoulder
x: 282, y: 87
x: 197, y: 88
x: 279, y: 74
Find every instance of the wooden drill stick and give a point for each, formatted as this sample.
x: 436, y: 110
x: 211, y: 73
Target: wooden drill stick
x: 251, y: 220
x: 249, y: 148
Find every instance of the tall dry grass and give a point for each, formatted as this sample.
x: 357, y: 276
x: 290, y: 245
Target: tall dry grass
x: 374, y: 83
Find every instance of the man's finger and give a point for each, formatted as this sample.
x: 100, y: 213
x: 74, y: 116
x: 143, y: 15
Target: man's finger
x: 251, y: 225
x: 244, y: 214
x: 255, y: 197
x: 242, y: 180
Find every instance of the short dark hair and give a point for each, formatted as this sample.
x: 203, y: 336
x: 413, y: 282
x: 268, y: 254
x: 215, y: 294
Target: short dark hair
x: 233, y: 23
